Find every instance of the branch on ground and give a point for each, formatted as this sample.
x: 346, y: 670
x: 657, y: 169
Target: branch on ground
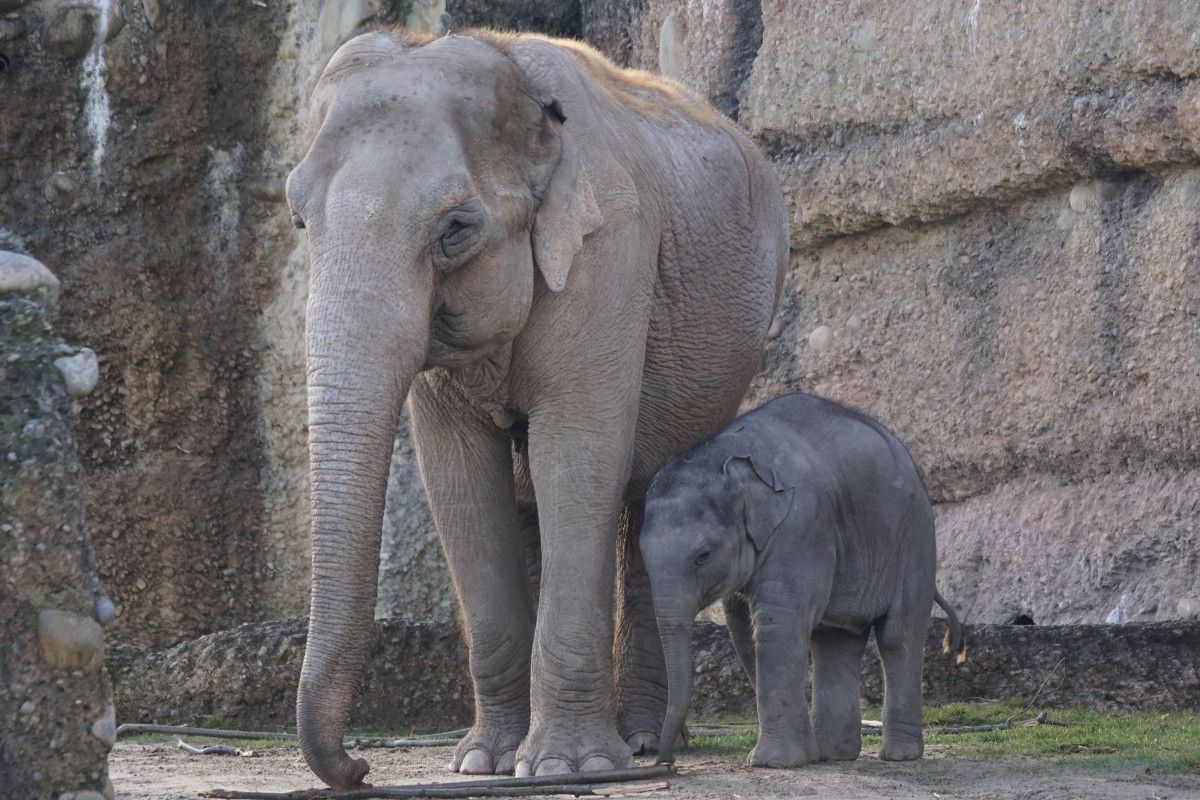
x: 214, y: 750
x: 872, y: 727
x: 609, y: 783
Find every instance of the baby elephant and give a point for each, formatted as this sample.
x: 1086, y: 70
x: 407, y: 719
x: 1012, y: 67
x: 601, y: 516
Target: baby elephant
x: 812, y: 521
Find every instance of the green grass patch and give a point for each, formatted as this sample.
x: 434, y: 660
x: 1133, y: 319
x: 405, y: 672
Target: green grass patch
x: 1074, y: 737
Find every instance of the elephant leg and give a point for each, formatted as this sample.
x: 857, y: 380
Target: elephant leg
x: 741, y: 631
x: 466, y: 466
x: 641, y: 669
x: 580, y: 461
x: 785, y: 735
x: 837, y: 689
x: 901, y: 643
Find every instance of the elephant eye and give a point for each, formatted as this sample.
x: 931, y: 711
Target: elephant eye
x: 457, y: 236
x: 703, y: 557
x: 298, y: 221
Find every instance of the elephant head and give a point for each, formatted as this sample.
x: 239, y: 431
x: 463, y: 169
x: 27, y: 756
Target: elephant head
x: 708, y: 517
x: 438, y: 185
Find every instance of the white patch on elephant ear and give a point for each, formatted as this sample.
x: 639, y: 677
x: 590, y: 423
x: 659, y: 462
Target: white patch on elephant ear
x: 568, y: 213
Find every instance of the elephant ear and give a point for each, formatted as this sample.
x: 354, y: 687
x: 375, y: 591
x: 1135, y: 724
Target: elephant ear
x: 766, y: 501
x: 568, y: 211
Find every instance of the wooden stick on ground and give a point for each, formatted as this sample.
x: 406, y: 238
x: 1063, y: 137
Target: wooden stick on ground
x: 581, y: 784
x: 449, y: 792
x: 457, y: 733
x: 214, y: 750
x: 999, y: 726
x: 364, y: 742
x: 874, y: 727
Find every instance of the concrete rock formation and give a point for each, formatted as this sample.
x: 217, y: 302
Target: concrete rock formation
x: 416, y: 676
x: 55, y: 708
x: 994, y: 251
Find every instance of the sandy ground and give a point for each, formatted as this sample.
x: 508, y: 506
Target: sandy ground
x: 158, y: 771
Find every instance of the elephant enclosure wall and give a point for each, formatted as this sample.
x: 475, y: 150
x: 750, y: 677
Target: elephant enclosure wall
x: 995, y: 213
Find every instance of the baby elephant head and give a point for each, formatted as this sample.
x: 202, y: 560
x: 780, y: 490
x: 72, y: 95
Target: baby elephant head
x: 707, y: 521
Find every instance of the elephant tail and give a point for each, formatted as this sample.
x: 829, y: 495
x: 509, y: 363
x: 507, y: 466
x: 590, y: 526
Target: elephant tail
x: 953, y: 642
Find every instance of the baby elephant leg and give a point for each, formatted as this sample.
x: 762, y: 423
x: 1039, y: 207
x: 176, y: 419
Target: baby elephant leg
x: 902, y: 651
x: 837, y: 686
x: 785, y: 736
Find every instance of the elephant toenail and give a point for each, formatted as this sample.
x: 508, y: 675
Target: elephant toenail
x: 597, y: 764
x: 476, y: 762
x: 553, y: 766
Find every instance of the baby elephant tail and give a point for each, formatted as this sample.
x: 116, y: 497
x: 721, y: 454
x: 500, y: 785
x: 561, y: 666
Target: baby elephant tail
x: 953, y: 643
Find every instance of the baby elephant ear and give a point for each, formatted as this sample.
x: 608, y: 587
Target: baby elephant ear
x: 766, y: 507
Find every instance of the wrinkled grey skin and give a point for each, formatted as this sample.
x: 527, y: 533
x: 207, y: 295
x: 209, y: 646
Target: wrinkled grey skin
x: 570, y: 274
x: 812, y: 522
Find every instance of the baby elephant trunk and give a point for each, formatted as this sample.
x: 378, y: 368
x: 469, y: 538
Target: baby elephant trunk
x: 677, y: 650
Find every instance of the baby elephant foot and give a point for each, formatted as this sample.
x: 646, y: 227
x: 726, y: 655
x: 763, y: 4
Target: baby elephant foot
x: 905, y: 750
x: 840, y: 750
x: 562, y: 746
x: 840, y: 743
x: 902, y: 741
x: 644, y: 743
x: 489, y: 749
x: 779, y: 752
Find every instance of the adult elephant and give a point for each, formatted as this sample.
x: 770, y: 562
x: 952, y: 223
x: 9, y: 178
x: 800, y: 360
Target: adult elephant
x: 569, y: 270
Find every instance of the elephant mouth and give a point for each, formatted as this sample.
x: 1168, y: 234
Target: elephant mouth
x: 451, y: 343
x: 447, y: 355
x: 447, y: 324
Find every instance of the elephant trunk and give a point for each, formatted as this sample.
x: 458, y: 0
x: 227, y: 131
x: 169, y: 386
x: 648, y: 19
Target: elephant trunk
x: 676, y: 634
x: 366, y: 343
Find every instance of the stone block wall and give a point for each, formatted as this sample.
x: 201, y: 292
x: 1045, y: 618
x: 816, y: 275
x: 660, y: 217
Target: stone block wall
x: 995, y: 212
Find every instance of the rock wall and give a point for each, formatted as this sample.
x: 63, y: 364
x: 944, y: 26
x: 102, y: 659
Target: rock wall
x: 56, y: 715
x: 416, y: 673
x: 150, y: 240
x: 994, y: 251
x: 150, y: 171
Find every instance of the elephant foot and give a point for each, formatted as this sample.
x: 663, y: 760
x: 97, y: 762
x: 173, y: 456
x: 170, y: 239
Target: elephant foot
x: 777, y: 752
x: 640, y: 728
x: 489, y: 749
x: 840, y: 750
x: 644, y: 743
x: 906, y: 750
x: 560, y: 746
x: 902, y: 740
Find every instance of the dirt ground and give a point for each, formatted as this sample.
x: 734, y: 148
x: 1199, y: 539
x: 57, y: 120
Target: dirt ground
x: 159, y: 771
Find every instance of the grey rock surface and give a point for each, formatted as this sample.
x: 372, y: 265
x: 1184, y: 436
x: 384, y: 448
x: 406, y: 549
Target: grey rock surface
x: 415, y: 677
x: 52, y: 687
